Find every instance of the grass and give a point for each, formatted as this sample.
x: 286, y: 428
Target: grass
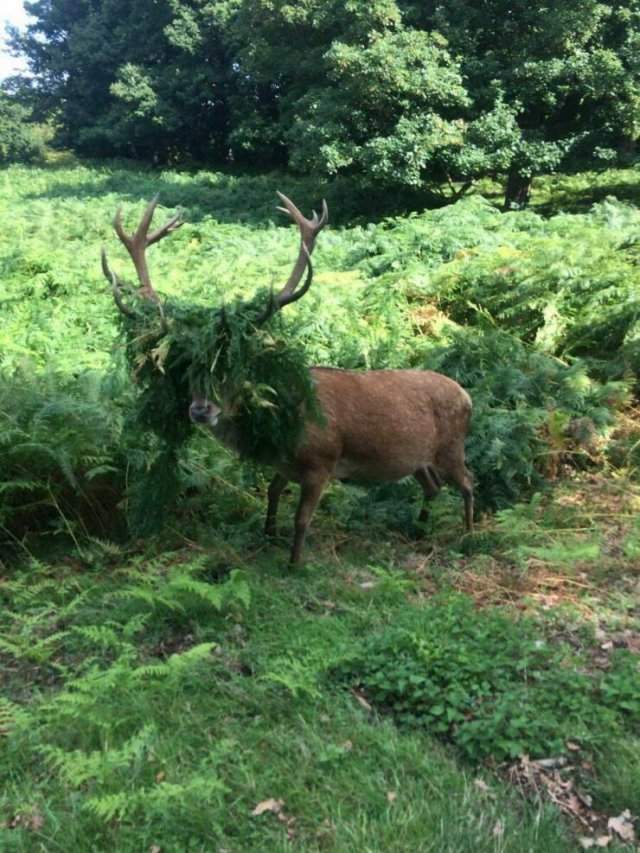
x: 154, y: 693
x: 114, y: 737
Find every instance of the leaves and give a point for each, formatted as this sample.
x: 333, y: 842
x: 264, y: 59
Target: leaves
x: 622, y: 826
x: 270, y: 805
x: 492, y: 688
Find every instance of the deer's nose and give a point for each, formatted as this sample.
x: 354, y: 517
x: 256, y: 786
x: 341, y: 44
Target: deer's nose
x: 199, y: 411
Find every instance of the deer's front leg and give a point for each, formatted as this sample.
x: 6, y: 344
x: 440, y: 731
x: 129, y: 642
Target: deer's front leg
x: 311, y: 488
x: 276, y: 487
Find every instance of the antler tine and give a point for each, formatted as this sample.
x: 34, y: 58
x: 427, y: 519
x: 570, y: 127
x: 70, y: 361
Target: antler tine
x: 145, y: 222
x: 137, y: 243
x: 309, y: 230
x: 115, y: 285
x: 278, y: 301
x: 119, y: 228
x: 169, y: 227
x: 324, y: 218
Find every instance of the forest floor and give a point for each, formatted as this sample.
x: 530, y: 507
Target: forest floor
x: 114, y: 736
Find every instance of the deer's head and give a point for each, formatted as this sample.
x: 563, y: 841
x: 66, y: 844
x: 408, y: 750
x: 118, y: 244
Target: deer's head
x: 202, y: 410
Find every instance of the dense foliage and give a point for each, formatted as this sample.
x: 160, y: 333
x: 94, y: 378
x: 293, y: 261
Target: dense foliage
x: 180, y: 691
x: 20, y: 140
x: 233, y: 355
x: 394, y: 94
x: 491, y: 685
x: 451, y: 290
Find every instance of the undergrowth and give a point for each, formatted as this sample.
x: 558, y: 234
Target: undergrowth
x: 390, y: 294
x: 492, y: 685
x: 159, y: 698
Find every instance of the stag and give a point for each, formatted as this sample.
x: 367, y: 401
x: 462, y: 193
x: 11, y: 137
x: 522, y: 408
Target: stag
x: 378, y: 425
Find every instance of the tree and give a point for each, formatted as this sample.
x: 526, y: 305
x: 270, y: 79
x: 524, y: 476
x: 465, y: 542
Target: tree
x: 20, y: 141
x: 394, y: 94
x: 145, y: 79
x: 352, y: 91
x: 567, y: 72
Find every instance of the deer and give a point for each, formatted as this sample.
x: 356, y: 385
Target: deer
x: 377, y: 425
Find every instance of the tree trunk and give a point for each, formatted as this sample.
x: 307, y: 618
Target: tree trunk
x: 627, y: 150
x: 518, y: 191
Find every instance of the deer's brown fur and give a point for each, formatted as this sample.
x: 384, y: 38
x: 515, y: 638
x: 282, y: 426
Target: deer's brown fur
x: 379, y: 425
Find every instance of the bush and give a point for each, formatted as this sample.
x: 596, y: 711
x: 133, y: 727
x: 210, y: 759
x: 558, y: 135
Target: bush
x: 493, y: 687
x: 20, y: 141
x: 530, y: 411
x: 568, y: 284
x: 61, y: 455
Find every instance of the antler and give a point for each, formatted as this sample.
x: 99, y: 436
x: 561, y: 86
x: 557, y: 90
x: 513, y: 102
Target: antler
x: 137, y: 244
x: 309, y: 230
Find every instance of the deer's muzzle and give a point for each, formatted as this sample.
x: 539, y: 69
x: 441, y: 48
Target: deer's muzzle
x: 202, y: 411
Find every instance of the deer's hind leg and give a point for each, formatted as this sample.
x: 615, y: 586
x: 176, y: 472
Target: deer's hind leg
x: 431, y: 484
x: 462, y: 478
x: 466, y: 487
x: 457, y: 473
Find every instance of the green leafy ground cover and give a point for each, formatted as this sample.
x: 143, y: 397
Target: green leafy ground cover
x: 155, y: 692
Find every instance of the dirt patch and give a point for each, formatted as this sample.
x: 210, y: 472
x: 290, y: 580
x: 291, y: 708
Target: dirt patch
x: 558, y: 780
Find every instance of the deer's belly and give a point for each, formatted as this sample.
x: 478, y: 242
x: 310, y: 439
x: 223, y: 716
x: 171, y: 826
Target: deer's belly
x: 378, y: 471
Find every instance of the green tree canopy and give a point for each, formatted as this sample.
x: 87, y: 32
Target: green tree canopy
x: 19, y: 139
x: 391, y: 93
x: 145, y: 79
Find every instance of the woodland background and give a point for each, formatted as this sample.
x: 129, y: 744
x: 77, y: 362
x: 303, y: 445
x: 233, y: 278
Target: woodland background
x: 398, y: 96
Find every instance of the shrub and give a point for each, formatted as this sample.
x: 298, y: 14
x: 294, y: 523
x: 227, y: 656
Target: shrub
x: 60, y: 452
x: 530, y: 411
x: 491, y: 686
x: 20, y: 141
x: 568, y: 284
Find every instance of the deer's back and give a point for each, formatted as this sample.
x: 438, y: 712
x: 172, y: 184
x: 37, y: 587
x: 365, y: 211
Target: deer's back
x: 385, y: 424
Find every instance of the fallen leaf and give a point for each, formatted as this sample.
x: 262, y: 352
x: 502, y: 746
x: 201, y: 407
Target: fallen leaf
x: 633, y: 644
x: 36, y: 821
x: 347, y: 746
x: 586, y: 843
x: 574, y: 747
x: 271, y: 805
x: 481, y: 785
x: 155, y: 848
x: 160, y: 777
x: 551, y: 763
x: 391, y: 796
x: 586, y: 799
x: 622, y: 826
x: 361, y: 700
x: 603, y: 840
x: 367, y: 584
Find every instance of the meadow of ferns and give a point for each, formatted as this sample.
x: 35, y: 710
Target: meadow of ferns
x: 539, y: 318
x: 161, y: 679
